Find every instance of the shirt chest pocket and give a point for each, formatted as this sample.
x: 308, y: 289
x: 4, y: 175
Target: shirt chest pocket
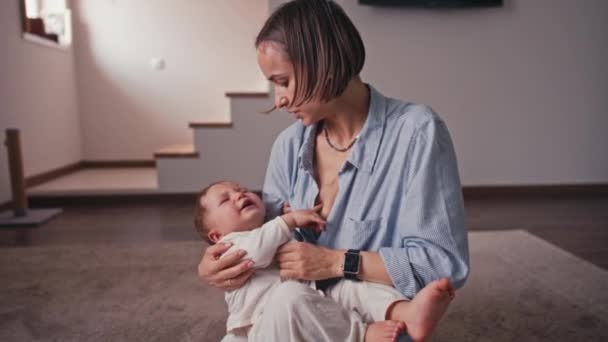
x: 365, y: 234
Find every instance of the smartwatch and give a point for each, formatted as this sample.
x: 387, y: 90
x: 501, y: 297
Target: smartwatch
x: 352, y: 264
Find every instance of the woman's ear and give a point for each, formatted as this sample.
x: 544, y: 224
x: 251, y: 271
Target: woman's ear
x: 214, y: 236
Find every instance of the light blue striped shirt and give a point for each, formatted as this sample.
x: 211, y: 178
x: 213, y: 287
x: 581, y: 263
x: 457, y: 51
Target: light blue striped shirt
x: 399, y: 192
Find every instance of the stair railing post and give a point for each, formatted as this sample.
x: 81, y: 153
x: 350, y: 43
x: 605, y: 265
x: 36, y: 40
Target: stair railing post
x: 15, y: 163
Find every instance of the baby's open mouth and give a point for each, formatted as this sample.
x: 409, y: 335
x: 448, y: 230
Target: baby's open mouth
x: 246, y: 204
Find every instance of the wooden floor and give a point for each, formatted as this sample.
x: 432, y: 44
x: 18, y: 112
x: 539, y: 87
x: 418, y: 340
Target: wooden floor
x: 578, y: 225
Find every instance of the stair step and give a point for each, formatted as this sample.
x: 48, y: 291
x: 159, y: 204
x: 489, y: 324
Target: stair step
x: 246, y: 138
x: 93, y: 181
x: 177, y: 151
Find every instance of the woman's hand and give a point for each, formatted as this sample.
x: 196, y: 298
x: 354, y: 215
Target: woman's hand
x: 229, y: 273
x: 305, y: 261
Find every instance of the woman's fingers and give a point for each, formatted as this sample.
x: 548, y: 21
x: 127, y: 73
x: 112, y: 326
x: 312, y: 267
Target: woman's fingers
x: 287, y: 252
x: 287, y: 265
x: 288, y: 247
x: 230, y: 259
x: 215, y: 251
x: 285, y: 256
x: 222, y: 276
x: 288, y: 274
x: 208, y: 265
x: 229, y: 272
x: 211, y: 263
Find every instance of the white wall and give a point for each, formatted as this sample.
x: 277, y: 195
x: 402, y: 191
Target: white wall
x: 523, y: 88
x: 128, y: 110
x: 37, y: 96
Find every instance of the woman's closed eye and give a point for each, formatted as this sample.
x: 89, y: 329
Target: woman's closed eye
x: 282, y: 83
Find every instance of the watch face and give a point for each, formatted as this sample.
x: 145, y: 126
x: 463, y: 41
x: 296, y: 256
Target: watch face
x: 351, y: 263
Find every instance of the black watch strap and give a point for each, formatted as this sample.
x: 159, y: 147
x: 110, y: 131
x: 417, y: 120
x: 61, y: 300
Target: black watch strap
x: 352, y: 264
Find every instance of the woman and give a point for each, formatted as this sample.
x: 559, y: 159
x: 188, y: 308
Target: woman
x: 384, y: 171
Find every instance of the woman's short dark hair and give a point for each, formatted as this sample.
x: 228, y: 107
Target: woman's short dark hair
x: 323, y: 45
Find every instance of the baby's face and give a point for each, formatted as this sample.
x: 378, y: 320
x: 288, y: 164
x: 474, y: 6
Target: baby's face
x: 232, y: 208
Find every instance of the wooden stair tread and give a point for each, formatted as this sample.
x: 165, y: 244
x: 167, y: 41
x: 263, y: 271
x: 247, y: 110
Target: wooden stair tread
x: 177, y: 151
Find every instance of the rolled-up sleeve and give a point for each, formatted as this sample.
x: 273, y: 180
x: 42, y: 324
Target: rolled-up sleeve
x: 430, y: 226
x: 276, y: 183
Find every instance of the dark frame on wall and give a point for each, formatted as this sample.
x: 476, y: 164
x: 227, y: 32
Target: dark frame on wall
x: 434, y: 3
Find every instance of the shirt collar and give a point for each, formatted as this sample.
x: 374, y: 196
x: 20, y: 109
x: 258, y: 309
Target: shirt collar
x: 307, y: 150
x: 364, y: 152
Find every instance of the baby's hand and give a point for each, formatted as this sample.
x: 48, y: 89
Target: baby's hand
x: 286, y: 208
x: 306, y: 218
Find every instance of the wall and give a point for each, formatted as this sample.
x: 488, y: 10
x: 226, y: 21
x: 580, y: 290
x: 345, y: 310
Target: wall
x: 37, y: 96
x: 522, y: 88
x: 129, y: 110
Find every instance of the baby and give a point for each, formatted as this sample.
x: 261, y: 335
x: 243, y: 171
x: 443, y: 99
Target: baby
x: 228, y: 213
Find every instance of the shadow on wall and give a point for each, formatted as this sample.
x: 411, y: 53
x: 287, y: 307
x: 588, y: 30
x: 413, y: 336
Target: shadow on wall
x: 101, y: 92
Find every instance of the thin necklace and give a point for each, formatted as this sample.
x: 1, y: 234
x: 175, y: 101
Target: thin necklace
x: 334, y: 146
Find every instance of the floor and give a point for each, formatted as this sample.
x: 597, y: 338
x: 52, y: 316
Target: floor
x: 140, y: 180
x: 578, y: 225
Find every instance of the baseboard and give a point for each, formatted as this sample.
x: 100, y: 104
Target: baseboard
x: 103, y: 164
x: 52, y: 174
x: 110, y: 199
x: 523, y: 191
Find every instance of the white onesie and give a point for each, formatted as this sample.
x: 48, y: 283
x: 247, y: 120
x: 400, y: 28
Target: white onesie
x: 246, y: 303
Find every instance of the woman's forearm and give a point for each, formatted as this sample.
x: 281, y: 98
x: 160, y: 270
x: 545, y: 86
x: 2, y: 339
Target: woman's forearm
x: 372, y: 267
x: 302, y: 260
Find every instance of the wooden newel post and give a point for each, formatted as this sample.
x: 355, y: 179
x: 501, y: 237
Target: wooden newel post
x: 15, y: 164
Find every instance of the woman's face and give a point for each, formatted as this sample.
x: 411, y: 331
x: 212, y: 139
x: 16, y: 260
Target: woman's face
x: 277, y: 68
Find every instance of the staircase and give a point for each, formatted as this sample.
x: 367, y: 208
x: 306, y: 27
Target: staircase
x: 236, y: 150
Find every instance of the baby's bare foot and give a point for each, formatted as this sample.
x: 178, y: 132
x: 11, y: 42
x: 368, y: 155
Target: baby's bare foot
x: 384, y: 331
x: 424, y: 311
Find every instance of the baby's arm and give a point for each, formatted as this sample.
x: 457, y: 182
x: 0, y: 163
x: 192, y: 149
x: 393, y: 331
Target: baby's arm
x: 262, y: 243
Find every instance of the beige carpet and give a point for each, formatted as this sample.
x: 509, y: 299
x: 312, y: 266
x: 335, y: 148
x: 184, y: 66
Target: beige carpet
x: 521, y: 289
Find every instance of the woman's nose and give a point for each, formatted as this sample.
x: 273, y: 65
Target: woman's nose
x: 280, y: 101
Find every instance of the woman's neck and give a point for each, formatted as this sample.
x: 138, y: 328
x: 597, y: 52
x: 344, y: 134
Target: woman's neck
x: 350, y: 113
